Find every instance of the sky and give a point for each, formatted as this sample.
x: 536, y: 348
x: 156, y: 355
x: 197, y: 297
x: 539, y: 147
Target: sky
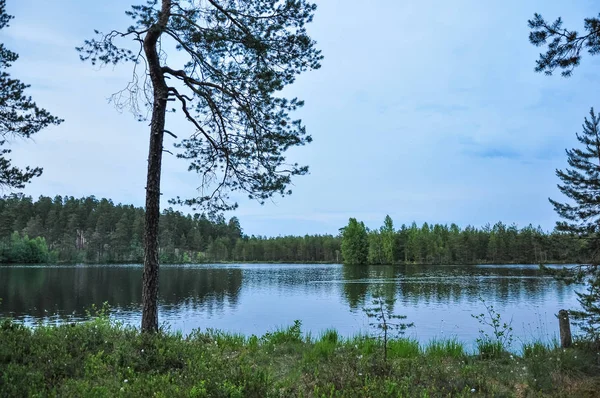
x: 429, y: 111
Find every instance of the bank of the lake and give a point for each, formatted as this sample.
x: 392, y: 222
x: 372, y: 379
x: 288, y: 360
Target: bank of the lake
x: 103, y: 359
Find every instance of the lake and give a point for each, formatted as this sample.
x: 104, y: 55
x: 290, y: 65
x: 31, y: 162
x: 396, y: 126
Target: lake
x: 256, y: 298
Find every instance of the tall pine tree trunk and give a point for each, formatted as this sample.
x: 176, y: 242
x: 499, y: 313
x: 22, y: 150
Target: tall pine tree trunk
x: 157, y: 129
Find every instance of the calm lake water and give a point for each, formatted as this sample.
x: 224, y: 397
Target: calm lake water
x: 256, y: 298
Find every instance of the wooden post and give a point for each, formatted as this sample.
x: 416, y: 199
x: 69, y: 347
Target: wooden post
x: 564, y: 327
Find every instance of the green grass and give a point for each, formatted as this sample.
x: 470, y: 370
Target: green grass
x: 450, y: 348
x: 103, y: 359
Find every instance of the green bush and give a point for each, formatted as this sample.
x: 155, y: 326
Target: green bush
x: 23, y: 250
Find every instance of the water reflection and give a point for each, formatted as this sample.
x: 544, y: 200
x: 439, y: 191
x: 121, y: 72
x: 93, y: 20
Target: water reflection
x: 257, y: 298
x: 413, y: 285
x: 39, y: 291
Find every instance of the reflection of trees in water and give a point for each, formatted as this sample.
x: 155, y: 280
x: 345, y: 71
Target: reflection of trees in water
x: 413, y: 285
x: 38, y: 292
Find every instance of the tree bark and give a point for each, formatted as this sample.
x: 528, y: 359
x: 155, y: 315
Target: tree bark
x: 157, y: 129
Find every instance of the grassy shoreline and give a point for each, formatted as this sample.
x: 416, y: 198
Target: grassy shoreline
x: 103, y: 358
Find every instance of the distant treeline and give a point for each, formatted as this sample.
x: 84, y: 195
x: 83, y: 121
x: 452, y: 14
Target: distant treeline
x: 70, y: 230
x: 443, y: 244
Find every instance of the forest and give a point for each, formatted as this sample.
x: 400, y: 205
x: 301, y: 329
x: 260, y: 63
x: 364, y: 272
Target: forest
x: 90, y: 230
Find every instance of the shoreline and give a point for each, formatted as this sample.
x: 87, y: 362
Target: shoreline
x: 104, y: 358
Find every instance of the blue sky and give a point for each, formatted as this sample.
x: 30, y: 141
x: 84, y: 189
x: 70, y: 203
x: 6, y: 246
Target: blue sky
x: 423, y: 110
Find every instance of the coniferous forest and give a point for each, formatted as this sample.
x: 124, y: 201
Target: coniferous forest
x: 91, y: 230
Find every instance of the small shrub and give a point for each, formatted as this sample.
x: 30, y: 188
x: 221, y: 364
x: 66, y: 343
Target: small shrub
x: 500, y: 341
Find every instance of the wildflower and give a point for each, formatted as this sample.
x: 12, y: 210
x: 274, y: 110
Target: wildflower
x: 125, y: 381
x: 472, y: 390
x: 142, y: 350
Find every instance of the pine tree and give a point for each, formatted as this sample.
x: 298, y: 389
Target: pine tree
x: 581, y: 184
x: 19, y: 115
x: 565, y: 46
x: 236, y: 56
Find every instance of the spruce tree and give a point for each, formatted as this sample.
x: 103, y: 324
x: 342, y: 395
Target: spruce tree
x: 581, y: 184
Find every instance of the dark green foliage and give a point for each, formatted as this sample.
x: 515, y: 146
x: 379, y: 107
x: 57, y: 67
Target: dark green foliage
x: 581, y: 184
x: 22, y: 250
x: 564, y: 46
x: 100, y: 358
x: 96, y: 230
x: 355, y: 243
x: 92, y: 230
x: 500, y: 244
x: 20, y: 117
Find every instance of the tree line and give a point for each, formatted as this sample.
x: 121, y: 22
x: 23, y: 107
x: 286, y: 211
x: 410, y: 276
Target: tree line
x: 443, y: 244
x: 90, y: 230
